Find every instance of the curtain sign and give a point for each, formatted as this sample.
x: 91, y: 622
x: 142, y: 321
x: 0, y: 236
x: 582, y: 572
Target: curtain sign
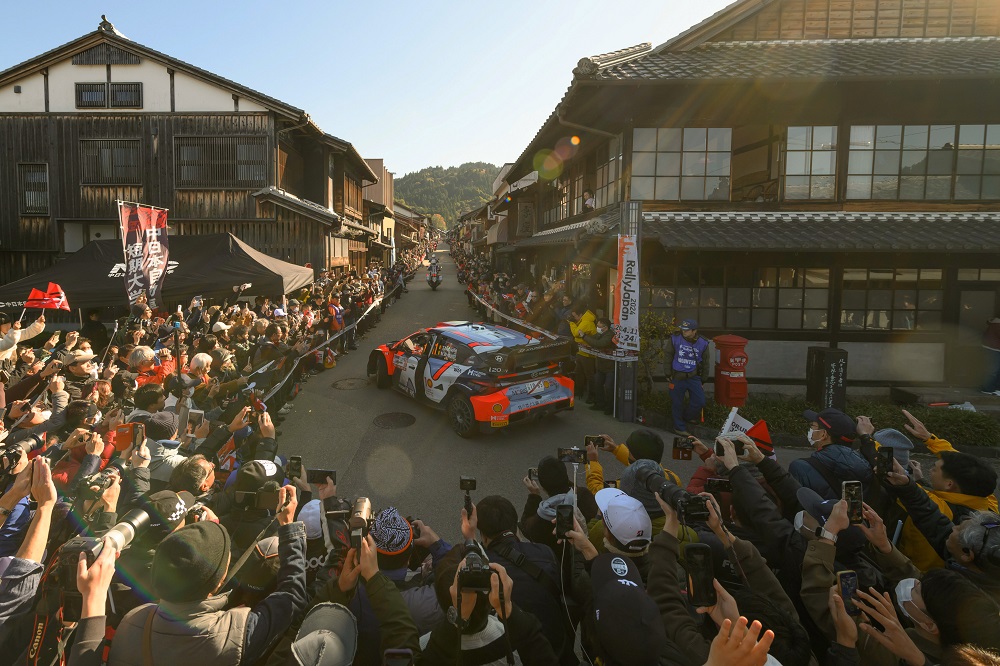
x: 144, y: 235
x: 626, y: 314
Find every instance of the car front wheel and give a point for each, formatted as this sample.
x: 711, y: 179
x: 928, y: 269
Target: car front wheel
x: 461, y: 416
x: 381, y: 374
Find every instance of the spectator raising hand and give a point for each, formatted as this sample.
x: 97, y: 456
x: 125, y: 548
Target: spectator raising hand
x: 736, y: 644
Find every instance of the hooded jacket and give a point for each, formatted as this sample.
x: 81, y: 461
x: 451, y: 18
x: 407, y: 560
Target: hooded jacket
x: 586, y: 326
x: 165, y: 456
x: 841, y: 462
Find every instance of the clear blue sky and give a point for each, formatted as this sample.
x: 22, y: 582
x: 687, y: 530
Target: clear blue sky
x: 417, y: 83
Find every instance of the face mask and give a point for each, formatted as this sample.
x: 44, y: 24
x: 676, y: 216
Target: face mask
x: 601, y: 330
x: 904, y: 593
x: 809, y: 436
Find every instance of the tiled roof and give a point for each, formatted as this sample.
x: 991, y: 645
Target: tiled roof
x: 835, y: 59
x: 288, y: 200
x: 829, y: 231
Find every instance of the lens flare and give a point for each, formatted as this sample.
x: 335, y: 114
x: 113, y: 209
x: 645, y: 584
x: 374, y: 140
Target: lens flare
x: 575, y: 140
x: 548, y: 164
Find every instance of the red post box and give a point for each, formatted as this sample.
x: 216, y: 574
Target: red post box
x: 730, y: 370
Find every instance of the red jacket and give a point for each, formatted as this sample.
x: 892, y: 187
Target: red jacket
x: 66, y: 469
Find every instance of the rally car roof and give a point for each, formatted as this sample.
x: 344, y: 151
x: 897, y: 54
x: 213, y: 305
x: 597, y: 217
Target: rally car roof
x: 484, y: 334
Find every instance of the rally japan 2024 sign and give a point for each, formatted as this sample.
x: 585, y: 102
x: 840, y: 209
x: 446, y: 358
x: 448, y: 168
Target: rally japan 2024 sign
x: 626, y: 314
x: 144, y: 236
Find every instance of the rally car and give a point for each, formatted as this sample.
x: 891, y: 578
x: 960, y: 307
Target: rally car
x: 478, y: 373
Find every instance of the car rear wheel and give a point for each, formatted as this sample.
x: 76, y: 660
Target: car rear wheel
x: 461, y: 416
x: 381, y: 374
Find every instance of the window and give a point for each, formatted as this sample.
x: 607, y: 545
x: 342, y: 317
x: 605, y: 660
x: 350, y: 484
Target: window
x: 110, y: 162
x: 125, y: 95
x: 220, y: 161
x: 811, y: 163
x: 557, y: 206
x: 742, y: 298
x: 109, y: 95
x: 924, y: 162
x: 352, y: 192
x: 33, y: 180
x: 883, y: 299
x: 979, y: 275
x: 608, y: 163
x: 671, y: 163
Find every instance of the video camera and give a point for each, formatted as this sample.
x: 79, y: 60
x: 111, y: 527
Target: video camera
x: 691, y: 508
x: 467, y: 483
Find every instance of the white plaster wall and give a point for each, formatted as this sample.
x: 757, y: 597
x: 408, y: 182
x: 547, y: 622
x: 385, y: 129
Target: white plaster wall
x: 31, y: 99
x: 195, y: 95
x: 63, y: 78
x: 774, y: 359
x: 155, y: 83
x: 895, y: 361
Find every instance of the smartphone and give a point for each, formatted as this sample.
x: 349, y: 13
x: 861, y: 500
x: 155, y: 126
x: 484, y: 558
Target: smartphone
x: 572, y: 455
x: 533, y: 474
x: 853, y: 493
x: 564, y: 520
x: 596, y: 440
x: 737, y: 444
x: 397, y: 657
x: 701, y: 577
x: 124, y: 436
x: 715, y: 486
x: 293, y: 470
x: 195, y: 417
x: 318, y: 476
x: 467, y: 483
x: 138, y: 434
x: 847, y: 583
x: 267, y: 499
x: 883, y: 460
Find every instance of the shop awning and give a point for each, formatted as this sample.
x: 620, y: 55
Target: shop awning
x: 825, y: 231
x: 497, y: 233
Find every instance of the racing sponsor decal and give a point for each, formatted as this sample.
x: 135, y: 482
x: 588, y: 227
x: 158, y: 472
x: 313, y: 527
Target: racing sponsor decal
x: 498, y: 408
x: 499, y: 421
x: 471, y: 372
x: 441, y: 370
x: 399, y: 361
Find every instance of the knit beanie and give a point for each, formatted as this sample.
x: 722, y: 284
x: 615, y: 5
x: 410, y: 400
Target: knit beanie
x: 645, y: 445
x: 190, y: 563
x: 161, y: 426
x: 552, y: 476
x: 393, y: 537
x: 632, y: 486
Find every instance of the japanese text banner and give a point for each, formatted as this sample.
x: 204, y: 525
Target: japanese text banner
x: 144, y: 235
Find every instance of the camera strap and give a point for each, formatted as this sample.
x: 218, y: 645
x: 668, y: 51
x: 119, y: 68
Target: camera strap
x: 246, y: 553
x: 517, y: 558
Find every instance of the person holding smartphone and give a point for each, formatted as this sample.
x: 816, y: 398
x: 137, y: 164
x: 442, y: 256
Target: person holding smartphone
x: 831, y: 434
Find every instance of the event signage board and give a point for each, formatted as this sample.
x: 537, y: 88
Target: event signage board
x: 146, y: 246
x: 626, y: 313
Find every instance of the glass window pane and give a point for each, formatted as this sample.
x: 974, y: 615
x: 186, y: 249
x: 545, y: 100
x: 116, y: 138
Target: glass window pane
x: 993, y: 135
x: 718, y: 164
x: 789, y: 319
x: 854, y: 299
x: 967, y: 187
x: 914, y: 162
x: 887, y: 161
x: 717, y: 189
x: 711, y: 317
x: 989, y: 274
x: 799, y: 138
x: 860, y: 161
x: 814, y: 319
x: 824, y: 138
x: 688, y: 276
x: 766, y: 277
x: 884, y: 187
x: 904, y: 320
x: 765, y: 298
x: 852, y: 319
x: 941, y: 136
x: 695, y: 138
x: 915, y: 136
x: 692, y: 188
x: 740, y: 277
x: 816, y: 298
x: 668, y: 189
x: 929, y: 299
x: 720, y: 139
x: 694, y: 164
x: 669, y: 139
x: 738, y: 297
x: 668, y: 164
x: 971, y: 136
x: 789, y: 277
x: 823, y: 187
x: 879, y: 299
x: 970, y: 274
x: 930, y: 275
x: 888, y: 136
x: 762, y: 318
x: 642, y: 188
x: 991, y: 187
x: 824, y: 162
x: 644, y: 138
x: 817, y: 277
x: 687, y: 297
x: 904, y: 299
x: 991, y: 162
x: 790, y: 298
x: 863, y: 137
x: 856, y: 277
x: 643, y: 164
x: 797, y: 187
x: 911, y: 187
x: 877, y: 320
x: 939, y: 162
x: 938, y: 187
x: 929, y: 321
x: 859, y: 187
x: 662, y: 297
x: 906, y: 276
x: 880, y: 278
x: 796, y: 163
x: 738, y: 318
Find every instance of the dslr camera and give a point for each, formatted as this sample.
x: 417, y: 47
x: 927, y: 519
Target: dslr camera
x: 474, y: 574
x: 690, y: 508
x: 93, y: 486
x: 10, y: 455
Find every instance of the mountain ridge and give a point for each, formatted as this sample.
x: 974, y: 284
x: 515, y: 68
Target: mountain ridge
x: 447, y: 191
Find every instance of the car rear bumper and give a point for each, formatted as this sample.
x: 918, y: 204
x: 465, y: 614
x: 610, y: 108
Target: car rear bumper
x: 518, y: 402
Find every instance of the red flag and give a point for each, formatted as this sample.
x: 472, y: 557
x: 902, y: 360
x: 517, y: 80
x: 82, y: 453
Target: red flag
x: 53, y: 298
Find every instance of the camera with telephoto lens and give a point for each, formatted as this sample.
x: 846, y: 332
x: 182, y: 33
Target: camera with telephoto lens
x: 93, y: 486
x: 691, y: 508
x: 360, y: 522
x: 121, y: 535
x: 10, y: 455
x: 474, y: 574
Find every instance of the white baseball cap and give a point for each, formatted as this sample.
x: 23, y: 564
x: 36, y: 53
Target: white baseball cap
x: 220, y: 326
x: 626, y: 518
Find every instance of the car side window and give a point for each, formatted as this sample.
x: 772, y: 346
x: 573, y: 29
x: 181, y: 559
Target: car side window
x: 445, y: 349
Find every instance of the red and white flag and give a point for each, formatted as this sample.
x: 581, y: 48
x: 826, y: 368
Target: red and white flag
x: 53, y: 298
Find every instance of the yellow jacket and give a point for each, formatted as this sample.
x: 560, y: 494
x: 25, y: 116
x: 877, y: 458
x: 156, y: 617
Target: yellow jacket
x: 912, y: 543
x: 595, y: 472
x: 586, y: 326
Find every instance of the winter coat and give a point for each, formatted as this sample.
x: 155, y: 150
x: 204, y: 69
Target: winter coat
x: 586, y: 326
x: 604, y: 342
x: 841, y: 462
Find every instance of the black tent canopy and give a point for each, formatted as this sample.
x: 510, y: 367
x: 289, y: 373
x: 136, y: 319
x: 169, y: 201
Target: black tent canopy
x: 208, y: 265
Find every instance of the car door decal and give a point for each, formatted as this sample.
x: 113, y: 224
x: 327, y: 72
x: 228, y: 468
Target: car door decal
x: 441, y: 370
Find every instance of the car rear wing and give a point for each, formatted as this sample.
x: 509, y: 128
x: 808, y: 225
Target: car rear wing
x: 529, y: 357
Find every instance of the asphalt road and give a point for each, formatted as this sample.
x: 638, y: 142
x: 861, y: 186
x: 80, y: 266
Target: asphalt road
x: 416, y: 468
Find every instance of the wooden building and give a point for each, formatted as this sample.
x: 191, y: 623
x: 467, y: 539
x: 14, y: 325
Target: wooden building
x: 379, y: 212
x: 104, y: 118
x: 812, y: 172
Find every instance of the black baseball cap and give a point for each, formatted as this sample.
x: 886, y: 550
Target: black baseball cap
x: 628, y: 626
x: 841, y: 427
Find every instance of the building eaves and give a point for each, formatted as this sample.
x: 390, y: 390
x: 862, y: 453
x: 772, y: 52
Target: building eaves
x: 299, y: 205
x: 890, y: 59
x: 825, y: 231
x: 721, y: 20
